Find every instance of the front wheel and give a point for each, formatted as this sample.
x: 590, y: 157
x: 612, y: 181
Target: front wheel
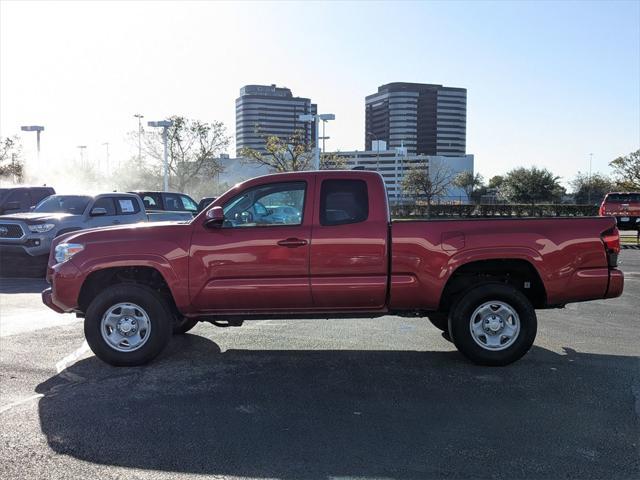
x: 127, y: 325
x: 493, y: 324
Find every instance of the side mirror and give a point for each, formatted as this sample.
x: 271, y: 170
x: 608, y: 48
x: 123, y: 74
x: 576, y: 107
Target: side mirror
x: 98, y: 212
x: 215, y: 217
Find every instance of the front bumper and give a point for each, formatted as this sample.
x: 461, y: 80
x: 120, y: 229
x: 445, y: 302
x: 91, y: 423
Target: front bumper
x: 33, y: 246
x: 66, y: 281
x: 47, y: 299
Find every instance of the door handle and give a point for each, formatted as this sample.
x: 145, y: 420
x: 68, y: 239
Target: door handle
x: 292, y: 242
x: 116, y: 222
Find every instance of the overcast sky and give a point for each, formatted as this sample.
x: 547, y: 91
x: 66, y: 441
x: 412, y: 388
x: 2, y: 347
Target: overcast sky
x: 548, y: 82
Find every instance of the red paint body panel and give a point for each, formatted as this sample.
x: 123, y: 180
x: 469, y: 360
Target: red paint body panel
x: 340, y: 268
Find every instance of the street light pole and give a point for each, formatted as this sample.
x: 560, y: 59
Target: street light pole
x: 37, y: 129
x: 589, y: 189
x: 106, y: 145
x: 316, y: 118
x: 165, y: 124
x: 139, y: 117
x: 82, y: 148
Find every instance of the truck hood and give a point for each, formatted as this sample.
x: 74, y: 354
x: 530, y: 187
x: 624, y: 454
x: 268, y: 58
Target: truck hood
x: 38, y: 217
x: 169, y: 240
x: 124, y: 237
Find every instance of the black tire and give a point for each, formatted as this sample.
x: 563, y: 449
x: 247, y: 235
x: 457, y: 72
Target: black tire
x: 155, y: 307
x: 182, y: 325
x: 439, y: 320
x: 460, y: 324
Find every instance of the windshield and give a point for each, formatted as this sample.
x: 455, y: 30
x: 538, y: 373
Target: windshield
x: 74, y: 204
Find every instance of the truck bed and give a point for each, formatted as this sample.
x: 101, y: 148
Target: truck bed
x: 566, y: 253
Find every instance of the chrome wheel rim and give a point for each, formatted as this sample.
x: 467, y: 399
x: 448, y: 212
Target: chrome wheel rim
x: 125, y: 327
x: 494, y: 325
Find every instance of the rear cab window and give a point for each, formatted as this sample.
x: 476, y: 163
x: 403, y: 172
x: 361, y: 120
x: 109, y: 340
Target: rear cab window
x: 623, y: 197
x: 127, y: 206
x: 343, y: 202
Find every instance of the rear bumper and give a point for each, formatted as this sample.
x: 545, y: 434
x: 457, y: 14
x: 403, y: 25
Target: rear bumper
x: 628, y: 223
x: 616, y: 284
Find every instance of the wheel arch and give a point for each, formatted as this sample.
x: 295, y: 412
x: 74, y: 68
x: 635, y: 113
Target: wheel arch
x: 146, y: 275
x: 515, y: 271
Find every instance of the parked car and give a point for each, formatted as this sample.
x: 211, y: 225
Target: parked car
x: 625, y: 206
x: 181, y: 205
x: 21, y: 199
x: 205, y: 202
x: 31, y: 233
x: 479, y: 281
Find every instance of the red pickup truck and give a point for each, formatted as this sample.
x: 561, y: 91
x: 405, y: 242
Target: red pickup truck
x: 321, y: 244
x: 625, y: 207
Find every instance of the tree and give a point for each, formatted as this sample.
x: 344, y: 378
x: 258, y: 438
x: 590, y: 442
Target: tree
x: 290, y: 154
x: 531, y: 185
x: 11, y: 161
x: 590, y: 189
x: 627, y: 171
x: 427, y: 181
x: 495, y: 181
x: 468, y: 182
x: 332, y: 161
x: 194, y: 148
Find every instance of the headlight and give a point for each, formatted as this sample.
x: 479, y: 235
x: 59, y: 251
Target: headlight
x: 41, y: 227
x: 65, y: 251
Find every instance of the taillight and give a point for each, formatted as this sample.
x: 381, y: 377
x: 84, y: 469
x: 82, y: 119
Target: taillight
x: 601, y: 211
x: 611, y: 240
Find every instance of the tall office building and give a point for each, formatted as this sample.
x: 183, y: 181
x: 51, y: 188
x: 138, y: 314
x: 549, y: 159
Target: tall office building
x: 425, y: 119
x: 266, y: 110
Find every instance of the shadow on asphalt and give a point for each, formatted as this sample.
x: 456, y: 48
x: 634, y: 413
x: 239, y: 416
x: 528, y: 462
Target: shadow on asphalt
x: 22, y: 285
x: 321, y: 414
x: 22, y: 265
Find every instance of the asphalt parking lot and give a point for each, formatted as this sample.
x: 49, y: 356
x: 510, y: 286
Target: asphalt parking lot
x: 383, y: 398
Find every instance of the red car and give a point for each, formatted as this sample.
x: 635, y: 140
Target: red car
x: 625, y: 206
x: 479, y: 281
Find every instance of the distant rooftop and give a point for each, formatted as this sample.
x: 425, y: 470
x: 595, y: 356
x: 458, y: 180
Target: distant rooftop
x: 268, y: 90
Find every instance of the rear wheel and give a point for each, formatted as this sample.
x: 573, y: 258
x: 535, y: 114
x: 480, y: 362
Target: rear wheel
x: 493, y: 324
x: 127, y: 325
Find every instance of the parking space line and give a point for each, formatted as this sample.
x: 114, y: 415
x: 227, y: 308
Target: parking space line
x: 20, y: 402
x: 72, y: 357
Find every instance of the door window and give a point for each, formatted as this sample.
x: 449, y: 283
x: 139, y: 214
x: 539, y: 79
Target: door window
x: 264, y: 206
x: 107, y: 204
x: 21, y: 197
x: 188, y: 204
x: 151, y: 201
x: 343, y: 202
x: 172, y: 202
x: 38, y: 194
